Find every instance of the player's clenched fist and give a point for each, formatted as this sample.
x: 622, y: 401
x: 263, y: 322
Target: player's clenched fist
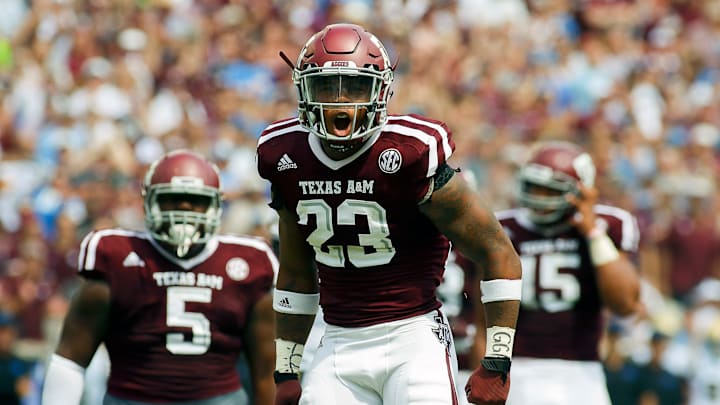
x: 287, y: 389
x: 489, y: 384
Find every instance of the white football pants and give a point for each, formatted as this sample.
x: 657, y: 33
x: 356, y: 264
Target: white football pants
x: 557, y: 382
x: 407, y: 362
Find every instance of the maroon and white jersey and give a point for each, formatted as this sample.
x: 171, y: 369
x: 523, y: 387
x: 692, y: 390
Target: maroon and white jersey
x: 379, y: 258
x: 175, y: 328
x: 561, y: 310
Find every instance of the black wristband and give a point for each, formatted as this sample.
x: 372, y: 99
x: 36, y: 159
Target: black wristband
x: 282, y: 377
x: 498, y: 364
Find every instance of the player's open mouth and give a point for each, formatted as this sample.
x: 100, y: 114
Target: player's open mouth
x: 341, y: 124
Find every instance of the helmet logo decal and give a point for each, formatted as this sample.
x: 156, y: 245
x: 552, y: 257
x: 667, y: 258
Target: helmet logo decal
x: 390, y: 160
x: 186, y: 181
x: 237, y: 269
x: 383, y: 51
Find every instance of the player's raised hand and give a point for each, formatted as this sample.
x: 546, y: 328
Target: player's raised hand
x: 489, y: 384
x: 584, y: 201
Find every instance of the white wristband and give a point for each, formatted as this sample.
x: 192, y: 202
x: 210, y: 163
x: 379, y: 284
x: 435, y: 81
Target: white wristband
x: 63, y: 382
x: 602, y: 249
x: 288, y: 356
x: 499, y: 341
x: 289, y: 302
x: 501, y: 290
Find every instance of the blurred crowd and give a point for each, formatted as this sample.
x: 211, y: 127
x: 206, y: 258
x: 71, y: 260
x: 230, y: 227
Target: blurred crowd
x: 92, y: 91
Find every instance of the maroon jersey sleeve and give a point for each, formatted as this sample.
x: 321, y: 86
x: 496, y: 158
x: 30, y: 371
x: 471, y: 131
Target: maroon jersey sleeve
x: 96, y: 253
x: 268, y: 154
x: 434, y: 149
x: 83, y: 258
x: 258, y: 260
x: 272, y: 158
x: 622, y: 228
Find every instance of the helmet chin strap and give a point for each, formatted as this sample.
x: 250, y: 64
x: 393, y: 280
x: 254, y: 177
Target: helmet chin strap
x: 350, y: 145
x: 342, y: 148
x: 187, y: 235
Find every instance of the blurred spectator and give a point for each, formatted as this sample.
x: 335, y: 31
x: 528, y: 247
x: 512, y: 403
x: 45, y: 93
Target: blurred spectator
x: 691, y: 246
x: 623, y: 375
x: 699, y: 345
x: 15, y: 383
x: 657, y: 385
x: 704, y: 389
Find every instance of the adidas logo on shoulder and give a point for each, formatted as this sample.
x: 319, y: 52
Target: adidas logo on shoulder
x: 133, y: 260
x: 286, y: 163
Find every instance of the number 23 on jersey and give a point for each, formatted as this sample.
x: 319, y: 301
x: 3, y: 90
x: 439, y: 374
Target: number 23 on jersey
x: 377, y: 238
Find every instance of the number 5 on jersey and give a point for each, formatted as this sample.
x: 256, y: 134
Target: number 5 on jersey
x: 178, y: 316
x: 334, y: 255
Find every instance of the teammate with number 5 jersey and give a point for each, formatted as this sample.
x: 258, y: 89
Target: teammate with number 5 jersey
x: 368, y: 206
x: 576, y: 259
x: 175, y: 305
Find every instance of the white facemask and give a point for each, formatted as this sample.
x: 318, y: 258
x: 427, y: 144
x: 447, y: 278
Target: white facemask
x: 187, y: 235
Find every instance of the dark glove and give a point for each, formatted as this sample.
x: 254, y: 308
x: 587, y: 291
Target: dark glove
x: 489, y: 384
x: 287, y: 388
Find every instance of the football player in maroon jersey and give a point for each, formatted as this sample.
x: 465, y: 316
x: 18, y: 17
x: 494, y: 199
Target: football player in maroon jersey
x: 576, y: 259
x: 368, y: 206
x: 175, y: 305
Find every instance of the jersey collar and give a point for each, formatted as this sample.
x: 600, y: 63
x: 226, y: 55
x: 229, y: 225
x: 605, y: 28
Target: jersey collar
x: 187, y: 264
x: 317, y: 149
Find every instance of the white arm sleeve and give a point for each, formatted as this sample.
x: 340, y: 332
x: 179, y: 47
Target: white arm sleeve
x: 63, y: 382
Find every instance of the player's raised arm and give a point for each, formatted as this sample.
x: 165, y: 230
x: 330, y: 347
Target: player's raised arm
x: 82, y: 332
x: 472, y: 227
x: 295, y: 302
x: 617, y: 277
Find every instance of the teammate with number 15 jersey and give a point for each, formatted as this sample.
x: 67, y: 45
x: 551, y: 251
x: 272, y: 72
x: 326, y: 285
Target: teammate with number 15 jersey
x: 576, y: 258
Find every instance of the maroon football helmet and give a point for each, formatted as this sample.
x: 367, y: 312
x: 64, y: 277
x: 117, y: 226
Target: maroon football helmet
x: 182, y: 175
x: 343, y: 67
x: 554, y: 170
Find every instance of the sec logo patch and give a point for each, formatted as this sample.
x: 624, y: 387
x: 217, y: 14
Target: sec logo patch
x: 390, y: 160
x: 237, y: 269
